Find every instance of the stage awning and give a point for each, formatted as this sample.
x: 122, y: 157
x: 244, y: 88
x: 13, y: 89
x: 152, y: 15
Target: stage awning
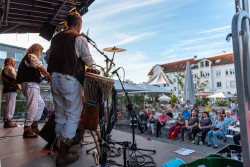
x: 37, y: 16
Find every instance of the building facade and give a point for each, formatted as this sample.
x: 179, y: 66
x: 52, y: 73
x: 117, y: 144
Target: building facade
x: 14, y: 51
x: 217, y: 72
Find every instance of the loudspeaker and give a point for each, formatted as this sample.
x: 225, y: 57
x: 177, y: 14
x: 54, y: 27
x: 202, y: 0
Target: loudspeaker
x: 47, y: 31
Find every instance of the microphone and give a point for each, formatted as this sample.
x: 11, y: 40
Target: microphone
x: 104, y: 144
x: 116, y: 70
x: 88, y: 39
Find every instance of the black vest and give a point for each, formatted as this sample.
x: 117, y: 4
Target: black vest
x: 9, y: 84
x: 27, y: 74
x: 63, y: 58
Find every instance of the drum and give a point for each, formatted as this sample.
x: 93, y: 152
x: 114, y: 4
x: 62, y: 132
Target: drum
x: 90, y: 87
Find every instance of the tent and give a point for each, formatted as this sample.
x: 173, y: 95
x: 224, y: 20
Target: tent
x: 150, y: 89
x: 159, y: 79
x: 164, y: 98
x: 220, y: 95
x: 189, y: 91
x: 129, y: 87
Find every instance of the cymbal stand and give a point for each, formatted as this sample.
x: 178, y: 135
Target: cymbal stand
x: 133, y: 147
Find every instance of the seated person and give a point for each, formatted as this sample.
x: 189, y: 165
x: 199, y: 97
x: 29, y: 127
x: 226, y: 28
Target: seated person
x: 143, y: 120
x: 229, y: 121
x: 161, y: 122
x: 237, y: 137
x: 152, y: 121
x: 170, y: 113
x: 203, y: 127
x: 217, y: 129
x: 190, y: 124
x: 175, y: 129
x: 185, y: 113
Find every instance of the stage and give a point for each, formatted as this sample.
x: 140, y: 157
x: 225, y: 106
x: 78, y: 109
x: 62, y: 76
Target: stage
x: 19, y: 152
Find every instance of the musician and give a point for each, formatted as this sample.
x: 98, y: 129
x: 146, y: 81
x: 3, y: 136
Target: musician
x: 66, y: 57
x: 29, y: 77
x: 9, y: 91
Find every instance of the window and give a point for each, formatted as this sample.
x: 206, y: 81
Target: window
x: 207, y: 63
x: 227, y: 72
x: 195, y: 76
x: 217, y: 61
x: 218, y: 73
x: 174, y: 88
x: 201, y: 64
x: 18, y: 57
x: 228, y: 84
x: 218, y: 84
x: 233, y: 84
x: 227, y: 60
x: 207, y: 74
x: 231, y: 72
x: 3, y: 55
x: 164, y: 85
x: 174, y: 80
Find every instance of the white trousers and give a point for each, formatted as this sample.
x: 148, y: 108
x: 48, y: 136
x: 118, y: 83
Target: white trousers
x: 10, y: 104
x: 66, y: 91
x: 34, y: 102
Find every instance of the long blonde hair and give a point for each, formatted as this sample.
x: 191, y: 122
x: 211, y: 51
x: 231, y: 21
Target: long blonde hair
x: 35, y: 48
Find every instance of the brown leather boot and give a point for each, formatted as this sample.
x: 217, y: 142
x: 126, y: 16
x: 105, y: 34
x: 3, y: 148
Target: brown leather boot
x: 9, y: 124
x: 28, y: 133
x: 64, y: 156
x: 34, y: 127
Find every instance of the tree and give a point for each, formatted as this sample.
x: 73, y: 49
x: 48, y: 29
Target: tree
x: 199, y: 85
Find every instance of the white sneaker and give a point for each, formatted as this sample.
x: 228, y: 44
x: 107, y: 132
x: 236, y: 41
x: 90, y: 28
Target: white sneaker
x: 200, y: 143
x: 192, y: 142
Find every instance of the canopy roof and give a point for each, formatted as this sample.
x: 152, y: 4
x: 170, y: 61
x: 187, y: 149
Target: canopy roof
x: 160, y: 78
x: 129, y: 87
x: 37, y: 16
x: 152, y: 89
x: 220, y: 95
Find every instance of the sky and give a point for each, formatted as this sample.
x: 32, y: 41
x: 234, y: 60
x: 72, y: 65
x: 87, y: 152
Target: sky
x: 152, y: 31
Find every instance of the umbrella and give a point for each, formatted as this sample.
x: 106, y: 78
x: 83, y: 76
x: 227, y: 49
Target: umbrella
x: 220, y: 95
x: 164, y: 98
x: 189, y: 92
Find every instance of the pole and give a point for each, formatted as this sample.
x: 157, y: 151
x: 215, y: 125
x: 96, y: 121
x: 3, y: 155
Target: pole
x: 241, y: 47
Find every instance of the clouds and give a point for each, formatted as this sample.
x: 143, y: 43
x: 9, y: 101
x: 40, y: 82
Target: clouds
x: 152, y: 32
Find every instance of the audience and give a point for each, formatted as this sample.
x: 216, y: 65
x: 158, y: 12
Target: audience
x: 203, y: 127
x: 190, y: 124
x: 218, y: 129
x: 161, y: 122
x: 143, y: 120
x: 175, y: 129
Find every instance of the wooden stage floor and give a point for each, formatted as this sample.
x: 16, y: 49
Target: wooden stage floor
x: 19, y: 152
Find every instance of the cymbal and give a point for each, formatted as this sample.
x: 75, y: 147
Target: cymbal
x: 114, y: 49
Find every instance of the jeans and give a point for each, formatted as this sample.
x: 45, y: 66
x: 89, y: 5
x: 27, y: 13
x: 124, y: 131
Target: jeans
x: 214, y: 134
x: 35, y: 103
x: 66, y: 91
x: 10, y: 105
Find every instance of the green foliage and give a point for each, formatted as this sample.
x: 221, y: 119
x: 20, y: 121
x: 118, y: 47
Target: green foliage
x: 180, y: 80
x: 205, y: 100
x: 221, y: 103
x: 173, y: 98
x: 199, y: 85
x: 198, y: 101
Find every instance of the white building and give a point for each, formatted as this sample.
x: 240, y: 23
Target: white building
x: 218, y: 71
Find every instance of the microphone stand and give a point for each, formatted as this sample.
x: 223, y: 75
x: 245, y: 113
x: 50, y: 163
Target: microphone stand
x: 133, y: 146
